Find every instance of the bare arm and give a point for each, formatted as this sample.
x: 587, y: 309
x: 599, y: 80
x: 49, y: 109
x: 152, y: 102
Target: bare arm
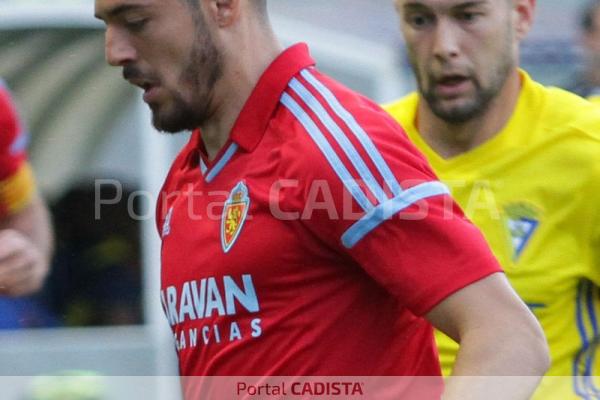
x: 498, y: 336
x: 26, y: 244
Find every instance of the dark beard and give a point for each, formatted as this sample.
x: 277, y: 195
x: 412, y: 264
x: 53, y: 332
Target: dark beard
x: 483, y: 95
x: 458, y: 115
x: 181, y: 118
x: 203, y: 70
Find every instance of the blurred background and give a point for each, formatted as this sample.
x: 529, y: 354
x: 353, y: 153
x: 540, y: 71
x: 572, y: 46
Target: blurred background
x: 99, y: 163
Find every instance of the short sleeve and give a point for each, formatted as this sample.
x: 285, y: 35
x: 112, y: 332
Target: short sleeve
x: 373, y: 197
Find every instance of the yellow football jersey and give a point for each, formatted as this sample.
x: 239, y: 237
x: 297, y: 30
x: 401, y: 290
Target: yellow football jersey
x: 595, y: 99
x: 534, y: 191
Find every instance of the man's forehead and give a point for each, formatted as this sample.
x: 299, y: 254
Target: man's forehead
x: 445, y: 4
x: 110, y: 8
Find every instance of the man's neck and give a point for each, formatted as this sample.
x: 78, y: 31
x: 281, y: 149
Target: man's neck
x: 452, y: 139
x: 243, y: 69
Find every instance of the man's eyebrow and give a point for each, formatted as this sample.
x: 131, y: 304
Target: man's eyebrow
x: 413, y: 5
x: 419, y: 6
x: 116, y: 11
x: 469, y: 4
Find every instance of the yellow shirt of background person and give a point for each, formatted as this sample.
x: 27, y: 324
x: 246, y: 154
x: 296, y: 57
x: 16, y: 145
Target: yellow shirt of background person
x: 534, y: 191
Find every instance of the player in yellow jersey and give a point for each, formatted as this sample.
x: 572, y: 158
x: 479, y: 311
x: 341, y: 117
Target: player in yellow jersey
x: 523, y: 160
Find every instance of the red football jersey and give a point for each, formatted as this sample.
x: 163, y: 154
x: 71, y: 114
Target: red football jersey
x: 13, y: 139
x: 314, y: 242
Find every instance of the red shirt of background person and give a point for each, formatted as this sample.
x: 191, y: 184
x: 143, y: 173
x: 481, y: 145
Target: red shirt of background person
x: 25, y: 232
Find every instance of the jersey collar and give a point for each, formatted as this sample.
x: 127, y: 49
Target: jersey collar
x: 254, y: 118
x: 526, y: 114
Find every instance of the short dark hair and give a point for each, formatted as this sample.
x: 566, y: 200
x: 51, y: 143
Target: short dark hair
x: 588, y: 16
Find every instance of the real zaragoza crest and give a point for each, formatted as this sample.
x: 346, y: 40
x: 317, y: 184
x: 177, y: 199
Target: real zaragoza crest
x: 234, y: 215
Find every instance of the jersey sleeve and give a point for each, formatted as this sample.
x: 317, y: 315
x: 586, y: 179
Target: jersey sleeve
x: 371, y: 195
x: 16, y: 178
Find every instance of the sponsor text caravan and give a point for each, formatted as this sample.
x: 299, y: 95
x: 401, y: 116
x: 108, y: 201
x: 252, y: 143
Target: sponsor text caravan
x: 199, y: 305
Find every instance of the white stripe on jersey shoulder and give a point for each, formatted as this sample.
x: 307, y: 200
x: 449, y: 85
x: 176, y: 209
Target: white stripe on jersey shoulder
x: 318, y: 112
x: 387, y: 210
x: 340, y: 137
x: 356, y: 129
x: 330, y: 154
x: 20, y: 143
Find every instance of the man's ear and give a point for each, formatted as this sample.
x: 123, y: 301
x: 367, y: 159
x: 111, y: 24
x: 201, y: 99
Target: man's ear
x: 524, y: 10
x: 223, y: 12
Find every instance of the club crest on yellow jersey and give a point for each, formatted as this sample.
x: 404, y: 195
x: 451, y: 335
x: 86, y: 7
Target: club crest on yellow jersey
x: 522, y: 222
x: 234, y: 215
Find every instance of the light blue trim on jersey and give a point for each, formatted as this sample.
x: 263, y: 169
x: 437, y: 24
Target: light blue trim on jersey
x: 385, y: 211
x: 203, y: 167
x: 340, y: 138
x: 583, y: 382
x: 584, y: 341
x: 316, y: 134
x: 222, y: 162
x: 358, y: 131
x: 20, y: 144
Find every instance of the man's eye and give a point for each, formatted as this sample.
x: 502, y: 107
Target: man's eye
x: 468, y: 16
x: 419, y: 20
x: 136, y: 25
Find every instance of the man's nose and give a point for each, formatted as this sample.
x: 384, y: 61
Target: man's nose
x: 446, y: 41
x: 118, y: 48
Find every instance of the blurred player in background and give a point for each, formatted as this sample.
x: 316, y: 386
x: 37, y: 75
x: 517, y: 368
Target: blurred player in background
x: 269, y: 284
x: 588, y: 82
x: 25, y: 232
x: 522, y: 160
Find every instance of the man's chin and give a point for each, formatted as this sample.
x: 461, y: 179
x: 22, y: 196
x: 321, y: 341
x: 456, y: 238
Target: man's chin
x: 455, y: 111
x: 176, y: 117
x: 168, y: 126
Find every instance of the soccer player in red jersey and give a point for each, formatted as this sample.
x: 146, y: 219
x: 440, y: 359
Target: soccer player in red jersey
x: 25, y: 233
x: 299, y: 237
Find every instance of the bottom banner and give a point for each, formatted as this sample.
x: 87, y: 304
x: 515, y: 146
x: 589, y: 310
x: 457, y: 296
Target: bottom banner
x: 87, y: 385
